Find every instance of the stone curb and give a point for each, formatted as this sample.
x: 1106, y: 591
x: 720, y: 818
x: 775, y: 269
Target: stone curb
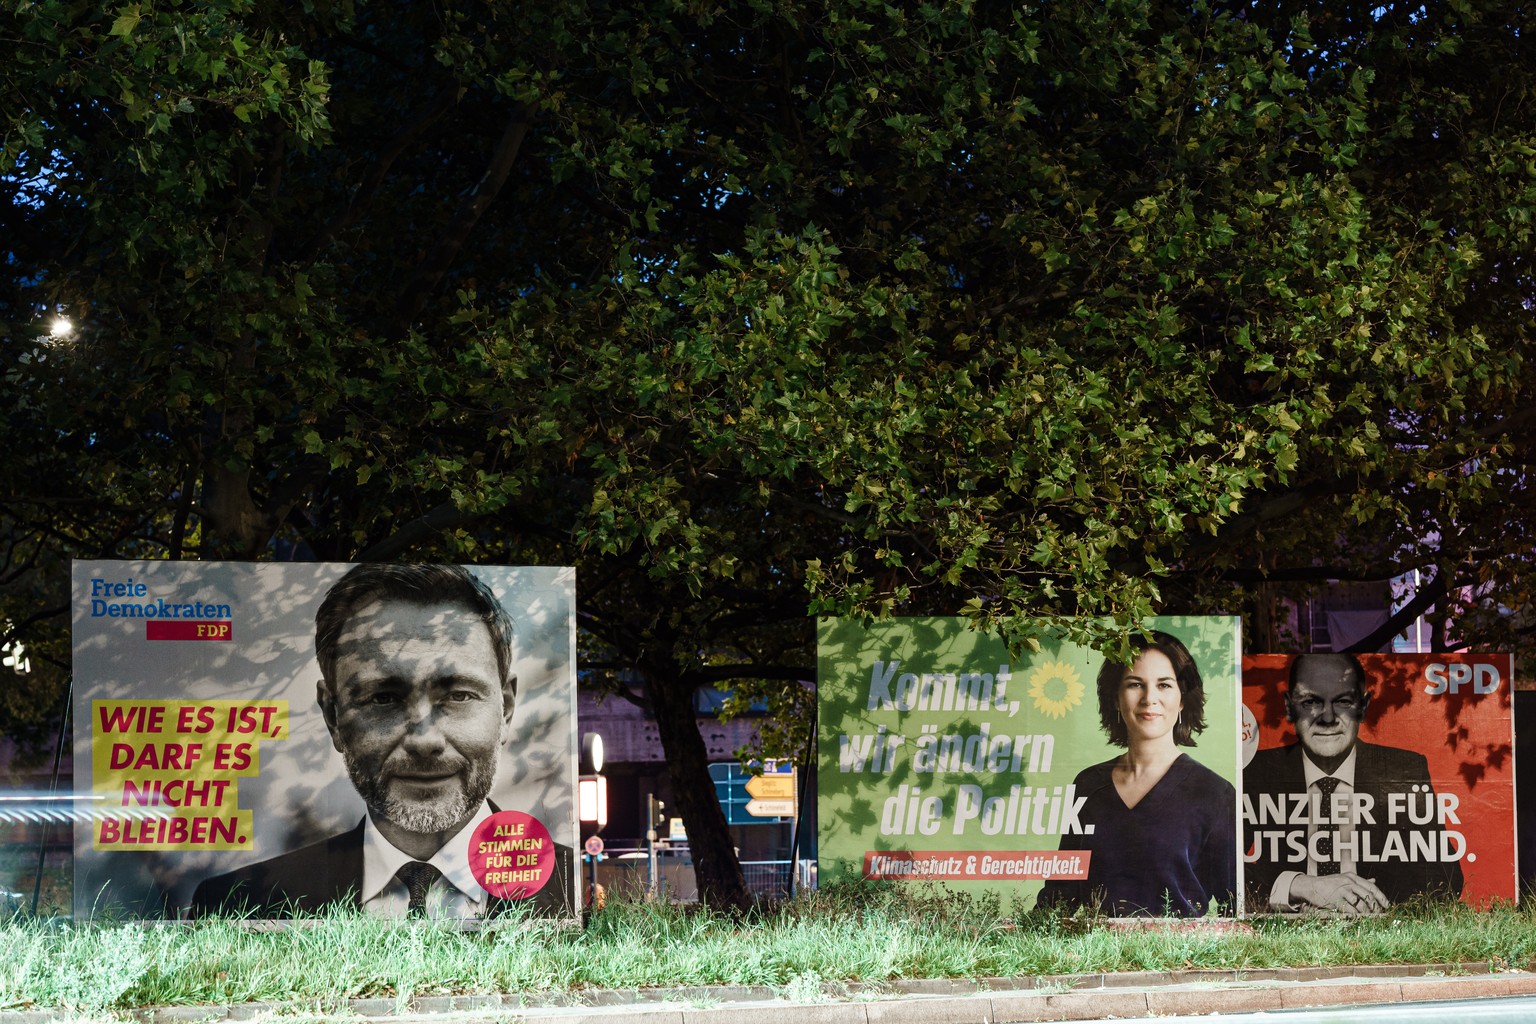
x: 1001, y: 1000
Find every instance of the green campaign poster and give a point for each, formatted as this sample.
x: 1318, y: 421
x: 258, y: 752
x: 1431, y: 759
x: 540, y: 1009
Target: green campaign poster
x: 1056, y: 777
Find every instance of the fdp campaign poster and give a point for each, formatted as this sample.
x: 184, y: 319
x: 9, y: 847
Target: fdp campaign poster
x: 1060, y: 778
x: 1373, y: 779
x: 233, y: 722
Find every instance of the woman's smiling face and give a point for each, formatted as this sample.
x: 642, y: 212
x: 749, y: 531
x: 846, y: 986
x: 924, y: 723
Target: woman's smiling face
x: 1150, y: 699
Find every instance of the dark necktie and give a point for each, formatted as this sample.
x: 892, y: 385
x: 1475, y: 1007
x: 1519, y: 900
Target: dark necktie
x: 1328, y: 865
x: 418, y: 878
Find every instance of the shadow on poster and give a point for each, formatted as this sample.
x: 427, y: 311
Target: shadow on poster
x: 1054, y: 779
x: 1374, y: 779
x: 226, y: 771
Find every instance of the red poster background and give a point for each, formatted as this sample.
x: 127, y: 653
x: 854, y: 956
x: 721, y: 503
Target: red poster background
x: 1468, y: 739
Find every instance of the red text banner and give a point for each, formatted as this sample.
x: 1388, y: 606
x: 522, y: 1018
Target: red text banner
x: 159, y: 630
x: 970, y: 866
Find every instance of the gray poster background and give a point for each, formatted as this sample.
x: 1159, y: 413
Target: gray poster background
x: 302, y: 793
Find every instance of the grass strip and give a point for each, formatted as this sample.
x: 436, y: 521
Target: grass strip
x: 855, y: 933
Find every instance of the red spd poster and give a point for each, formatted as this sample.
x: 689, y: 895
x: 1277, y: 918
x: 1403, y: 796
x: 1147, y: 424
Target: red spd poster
x: 1373, y: 779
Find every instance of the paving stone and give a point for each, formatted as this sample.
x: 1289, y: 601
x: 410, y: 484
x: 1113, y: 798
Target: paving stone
x: 1020, y: 1007
x: 731, y: 993
x: 935, y: 1010
x: 1401, y: 970
x: 599, y: 997
x: 374, y: 1007
x: 1134, y: 979
x: 1202, y: 976
x: 1202, y: 1001
x: 652, y: 995
x: 1088, y: 1005
x: 188, y: 1014
x: 639, y: 996
x: 1014, y: 983
x: 1073, y: 981
x: 934, y: 986
x: 460, y: 1004
x: 1480, y: 987
x: 867, y: 990
x: 1305, y: 974
x: 848, y: 991
x: 647, y: 1014
x: 1341, y: 995
x: 428, y: 1004
x: 804, y: 1013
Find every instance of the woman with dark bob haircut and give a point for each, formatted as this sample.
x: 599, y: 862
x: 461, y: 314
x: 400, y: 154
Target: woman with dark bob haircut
x: 1161, y: 827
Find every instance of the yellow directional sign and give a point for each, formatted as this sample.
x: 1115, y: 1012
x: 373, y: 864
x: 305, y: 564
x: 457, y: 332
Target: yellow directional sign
x: 771, y: 808
x: 772, y: 787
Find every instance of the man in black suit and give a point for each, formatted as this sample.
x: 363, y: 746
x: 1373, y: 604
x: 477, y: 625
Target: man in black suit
x: 1332, y: 822
x: 417, y: 690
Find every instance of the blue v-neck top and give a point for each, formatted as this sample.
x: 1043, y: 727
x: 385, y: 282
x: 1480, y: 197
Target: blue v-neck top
x: 1170, y: 855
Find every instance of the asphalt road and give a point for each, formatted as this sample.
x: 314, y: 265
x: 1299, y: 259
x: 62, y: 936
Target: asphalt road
x: 1508, y: 1010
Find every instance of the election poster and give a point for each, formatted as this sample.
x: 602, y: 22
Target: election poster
x: 1060, y: 778
x: 1375, y: 779
x: 282, y: 738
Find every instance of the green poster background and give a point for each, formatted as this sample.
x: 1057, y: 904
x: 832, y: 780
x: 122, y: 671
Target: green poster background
x: 887, y: 775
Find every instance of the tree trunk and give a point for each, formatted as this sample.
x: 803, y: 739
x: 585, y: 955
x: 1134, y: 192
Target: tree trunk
x: 1265, y: 634
x: 715, y: 865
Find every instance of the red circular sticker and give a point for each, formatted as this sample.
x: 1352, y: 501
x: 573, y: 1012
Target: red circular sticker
x: 512, y: 855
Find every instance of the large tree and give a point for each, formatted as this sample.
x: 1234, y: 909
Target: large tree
x: 1055, y: 317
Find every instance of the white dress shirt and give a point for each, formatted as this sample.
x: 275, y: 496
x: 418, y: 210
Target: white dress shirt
x: 1343, y: 826
x: 456, y: 894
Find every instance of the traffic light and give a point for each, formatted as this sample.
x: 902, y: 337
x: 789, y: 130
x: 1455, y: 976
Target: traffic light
x: 657, y: 811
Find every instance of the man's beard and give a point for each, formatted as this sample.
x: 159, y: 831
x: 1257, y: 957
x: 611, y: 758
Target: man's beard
x: 426, y: 817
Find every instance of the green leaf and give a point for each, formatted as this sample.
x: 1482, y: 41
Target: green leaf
x: 125, y: 22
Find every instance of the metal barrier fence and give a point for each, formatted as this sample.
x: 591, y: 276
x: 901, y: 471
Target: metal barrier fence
x: 767, y: 879
x: 625, y: 870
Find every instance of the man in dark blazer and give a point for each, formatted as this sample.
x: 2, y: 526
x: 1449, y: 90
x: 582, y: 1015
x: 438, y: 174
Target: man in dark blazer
x: 330, y: 872
x: 417, y: 691
x: 1347, y: 807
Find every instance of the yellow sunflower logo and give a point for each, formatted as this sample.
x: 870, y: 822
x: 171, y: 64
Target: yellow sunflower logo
x: 1055, y: 688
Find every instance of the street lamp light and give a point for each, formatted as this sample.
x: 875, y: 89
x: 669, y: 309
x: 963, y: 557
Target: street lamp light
x: 591, y: 785
x: 13, y: 655
x: 591, y: 753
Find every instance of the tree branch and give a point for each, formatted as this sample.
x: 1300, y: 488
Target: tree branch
x: 417, y: 530
x: 440, y: 258
x: 1314, y: 574
x: 1421, y: 602
x: 413, y: 129
x: 721, y: 673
